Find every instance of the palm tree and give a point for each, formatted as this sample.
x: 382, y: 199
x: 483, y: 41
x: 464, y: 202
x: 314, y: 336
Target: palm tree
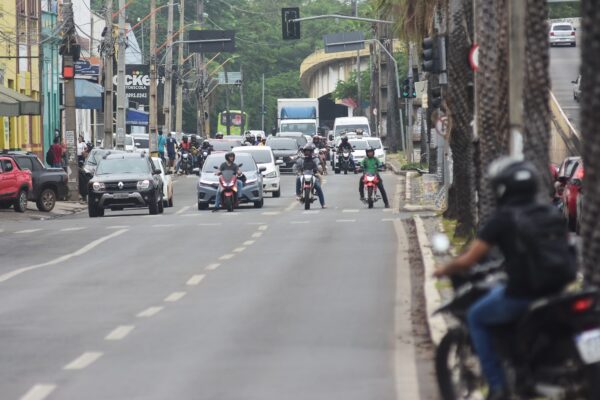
x: 590, y: 121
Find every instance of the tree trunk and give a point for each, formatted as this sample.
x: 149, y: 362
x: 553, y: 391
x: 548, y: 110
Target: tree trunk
x: 590, y: 120
x: 461, y: 197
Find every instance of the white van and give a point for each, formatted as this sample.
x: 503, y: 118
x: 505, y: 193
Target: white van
x: 351, y: 124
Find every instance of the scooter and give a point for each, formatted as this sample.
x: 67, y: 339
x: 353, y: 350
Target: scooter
x: 307, y: 185
x: 344, y: 161
x: 370, y: 182
x: 552, y: 352
x: 228, y: 185
x: 186, y: 162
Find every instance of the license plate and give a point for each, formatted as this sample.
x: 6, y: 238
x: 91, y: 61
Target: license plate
x: 121, y: 195
x: 588, y: 344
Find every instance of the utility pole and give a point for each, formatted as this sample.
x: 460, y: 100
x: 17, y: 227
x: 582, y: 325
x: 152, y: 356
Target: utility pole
x: 409, y: 108
x: 153, y: 109
x: 168, y: 71
x: 358, y: 100
x: 228, y: 118
x: 69, y: 88
x: 179, y: 100
x: 243, y: 127
x: 121, y: 95
x: 262, y: 108
x: 200, y: 79
x: 109, y: 51
x: 517, y: 10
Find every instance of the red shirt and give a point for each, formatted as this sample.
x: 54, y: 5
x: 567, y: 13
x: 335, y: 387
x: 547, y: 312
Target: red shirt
x: 57, y: 153
x: 185, y: 146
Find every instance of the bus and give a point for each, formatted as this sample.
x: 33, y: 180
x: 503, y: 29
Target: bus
x: 236, y: 127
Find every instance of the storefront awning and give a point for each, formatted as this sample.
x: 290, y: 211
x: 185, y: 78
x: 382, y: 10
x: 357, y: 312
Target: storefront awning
x: 26, y: 105
x: 88, y: 95
x: 137, y: 117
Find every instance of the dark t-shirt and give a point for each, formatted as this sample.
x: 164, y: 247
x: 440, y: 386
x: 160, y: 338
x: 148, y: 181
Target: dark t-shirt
x: 500, y: 230
x: 171, y: 143
x: 233, y: 167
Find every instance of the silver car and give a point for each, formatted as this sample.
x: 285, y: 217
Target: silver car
x: 562, y: 33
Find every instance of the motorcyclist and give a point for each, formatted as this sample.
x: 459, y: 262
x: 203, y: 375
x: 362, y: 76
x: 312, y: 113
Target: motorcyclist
x: 514, y: 184
x: 184, y: 147
x: 346, y: 146
x: 229, y: 164
x: 206, y: 146
x: 263, y: 142
x: 250, y: 139
x: 218, y: 135
x: 309, y: 162
x: 370, y: 165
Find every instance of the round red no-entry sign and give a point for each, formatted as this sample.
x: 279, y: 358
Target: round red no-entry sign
x: 474, y: 57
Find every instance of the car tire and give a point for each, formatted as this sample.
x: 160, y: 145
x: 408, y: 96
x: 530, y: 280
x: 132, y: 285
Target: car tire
x: 21, y: 201
x: 100, y: 211
x: 92, y: 210
x: 277, y: 193
x: 47, y: 200
x: 202, y: 206
x: 573, y: 44
x: 259, y: 204
x: 153, y: 206
x: 161, y: 206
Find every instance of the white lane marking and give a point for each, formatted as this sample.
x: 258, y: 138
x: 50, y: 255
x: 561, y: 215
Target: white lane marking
x: 212, y: 267
x: 388, y: 219
x: 299, y: 222
x: 239, y: 249
x: 271, y: 213
x: 149, y: 312
x: 190, y: 215
x: 257, y: 234
x: 83, y: 361
x: 350, y: 210
x: 255, y: 223
x: 263, y: 227
x: 39, y: 392
x: 163, y: 225
x: 28, y: 231
x: 195, y: 280
x: 61, y: 259
x: 120, y: 332
x: 386, y: 210
x: 226, y: 257
x: 183, y: 209
x: 345, y: 220
x: 117, y: 227
x: 72, y: 229
x: 152, y: 216
x: 291, y: 206
x: 175, y: 296
x: 248, y: 242
x: 210, y: 224
x: 311, y: 212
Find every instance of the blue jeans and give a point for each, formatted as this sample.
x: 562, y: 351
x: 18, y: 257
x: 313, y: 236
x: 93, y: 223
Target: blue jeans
x: 240, y: 186
x: 317, y: 189
x: 495, y: 308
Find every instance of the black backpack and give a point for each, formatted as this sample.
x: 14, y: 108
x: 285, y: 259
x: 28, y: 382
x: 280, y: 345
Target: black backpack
x: 49, y: 157
x: 542, y: 240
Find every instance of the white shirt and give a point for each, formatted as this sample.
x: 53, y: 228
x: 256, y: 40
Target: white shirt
x: 81, y: 147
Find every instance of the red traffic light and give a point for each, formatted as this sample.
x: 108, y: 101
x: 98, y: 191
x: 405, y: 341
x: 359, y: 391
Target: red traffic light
x: 68, y: 72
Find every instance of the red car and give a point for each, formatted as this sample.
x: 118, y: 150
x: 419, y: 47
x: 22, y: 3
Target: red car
x: 15, y: 184
x: 571, y: 192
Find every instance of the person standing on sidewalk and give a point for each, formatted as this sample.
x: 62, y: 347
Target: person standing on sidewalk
x: 171, y: 144
x: 161, y: 146
x: 57, y: 153
x: 81, y: 150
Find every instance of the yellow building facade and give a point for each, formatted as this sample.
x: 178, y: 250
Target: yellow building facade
x: 20, y: 71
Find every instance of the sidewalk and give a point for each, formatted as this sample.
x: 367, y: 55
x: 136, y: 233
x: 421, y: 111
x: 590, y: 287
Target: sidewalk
x: 61, y: 209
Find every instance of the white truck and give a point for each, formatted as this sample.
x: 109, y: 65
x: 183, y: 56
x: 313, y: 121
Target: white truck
x: 298, y: 115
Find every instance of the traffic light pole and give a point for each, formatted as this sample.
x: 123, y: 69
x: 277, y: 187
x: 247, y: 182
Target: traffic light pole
x: 409, y: 111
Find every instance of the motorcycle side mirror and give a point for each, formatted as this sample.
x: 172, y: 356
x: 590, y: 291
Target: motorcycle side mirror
x: 440, y: 243
x: 240, y: 165
x: 215, y: 167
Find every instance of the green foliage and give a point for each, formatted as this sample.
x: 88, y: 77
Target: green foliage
x: 348, y: 89
x: 564, y: 10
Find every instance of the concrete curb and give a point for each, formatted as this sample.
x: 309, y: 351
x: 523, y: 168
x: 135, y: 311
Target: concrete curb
x: 437, y: 324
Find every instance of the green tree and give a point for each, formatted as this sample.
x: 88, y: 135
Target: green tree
x: 348, y: 89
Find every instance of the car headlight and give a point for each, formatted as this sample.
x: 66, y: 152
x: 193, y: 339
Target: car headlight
x: 98, y: 186
x: 272, y: 174
x: 145, y: 184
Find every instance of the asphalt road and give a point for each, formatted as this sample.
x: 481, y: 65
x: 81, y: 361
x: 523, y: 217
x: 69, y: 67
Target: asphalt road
x: 564, y: 68
x: 272, y: 303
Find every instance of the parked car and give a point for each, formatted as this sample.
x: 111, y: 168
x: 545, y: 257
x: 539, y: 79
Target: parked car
x: 299, y: 136
x: 571, y: 192
x: 224, y: 145
x: 562, y: 33
x: 577, y: 88
x: 129, y: 143
x: 141, y: 142
x: 15, y: 184
x: 284, y: 149
x: 165, y: 175
x: 263, y: 156
x: 125, y: 180
x: 49, y: 184
x: 208, y: 182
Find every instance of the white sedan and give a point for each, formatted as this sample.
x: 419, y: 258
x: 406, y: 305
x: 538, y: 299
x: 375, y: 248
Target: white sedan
x: 167, y: 181
x: 263, y: 156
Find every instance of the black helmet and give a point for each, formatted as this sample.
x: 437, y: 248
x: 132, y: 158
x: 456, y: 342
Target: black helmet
x: 370, y: 149
x: 308, y: 150
x: 230, y: 154
x: 184, y: 138
x: 205, y: 142
x: 513, y: 179
x: 344, y: 138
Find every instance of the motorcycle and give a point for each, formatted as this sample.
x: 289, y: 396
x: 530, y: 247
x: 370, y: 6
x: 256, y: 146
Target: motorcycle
x: 228, y: 185
x: 202, y: 157
x: 344, y: 162
x: 552, y: 352
x: 307, y: 185
x: 186, y: 162
x: 370, y: 182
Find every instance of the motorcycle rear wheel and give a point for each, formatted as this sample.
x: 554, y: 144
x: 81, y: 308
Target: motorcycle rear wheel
x: 370, y: 201
x: 307, y: 199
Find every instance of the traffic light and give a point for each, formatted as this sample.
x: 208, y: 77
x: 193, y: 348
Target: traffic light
x: 406, y: 89
x: 436, y: 97
x: 68, y: 69
x: 290, y: 30
x: 428, y: 55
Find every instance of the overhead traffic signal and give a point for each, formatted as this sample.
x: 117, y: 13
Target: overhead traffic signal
x: 428, y: 55
x: 68, y: 69
x: 408, y: 89
x: 290, y: 30
x: 434, y: 54
x: 435, y: 100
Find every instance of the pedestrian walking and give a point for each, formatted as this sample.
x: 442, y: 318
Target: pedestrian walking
x: 161, y: 146
x: 171, y: 149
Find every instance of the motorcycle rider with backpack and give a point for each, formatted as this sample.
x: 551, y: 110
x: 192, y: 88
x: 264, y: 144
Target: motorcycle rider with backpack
x: 309, y: 162
x: 346, y: 146
x: 538, y: 261
x: 370, y: 165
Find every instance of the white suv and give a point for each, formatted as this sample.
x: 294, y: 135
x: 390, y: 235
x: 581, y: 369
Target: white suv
x: 263, y: 156
x: 562, y: 33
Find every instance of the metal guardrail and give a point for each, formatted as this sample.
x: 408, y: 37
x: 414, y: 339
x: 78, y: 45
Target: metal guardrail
x: 570, y: 136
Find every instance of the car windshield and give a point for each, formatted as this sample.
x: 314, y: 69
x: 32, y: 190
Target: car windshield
x: 562, y: 28
x: 260, y: 156
x: 374, y: 143
x: 129, y: 165
x: 224, y: 145
x: 307, y: 128
x: 283, y: 144
x: 350, y: 128
x: 246, y: 160
x: 95, y: 157
x: 359, y: 144
x: 142, y: 143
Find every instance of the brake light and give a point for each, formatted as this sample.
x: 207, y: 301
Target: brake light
x: 551, y: 33
x: 579, y: 173
x: 573, y: 33
x: 582, y: 305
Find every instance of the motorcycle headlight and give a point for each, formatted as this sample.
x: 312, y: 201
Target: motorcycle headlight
x: 145, y: 184
x: 271, y: 175
x: 98, y: 186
